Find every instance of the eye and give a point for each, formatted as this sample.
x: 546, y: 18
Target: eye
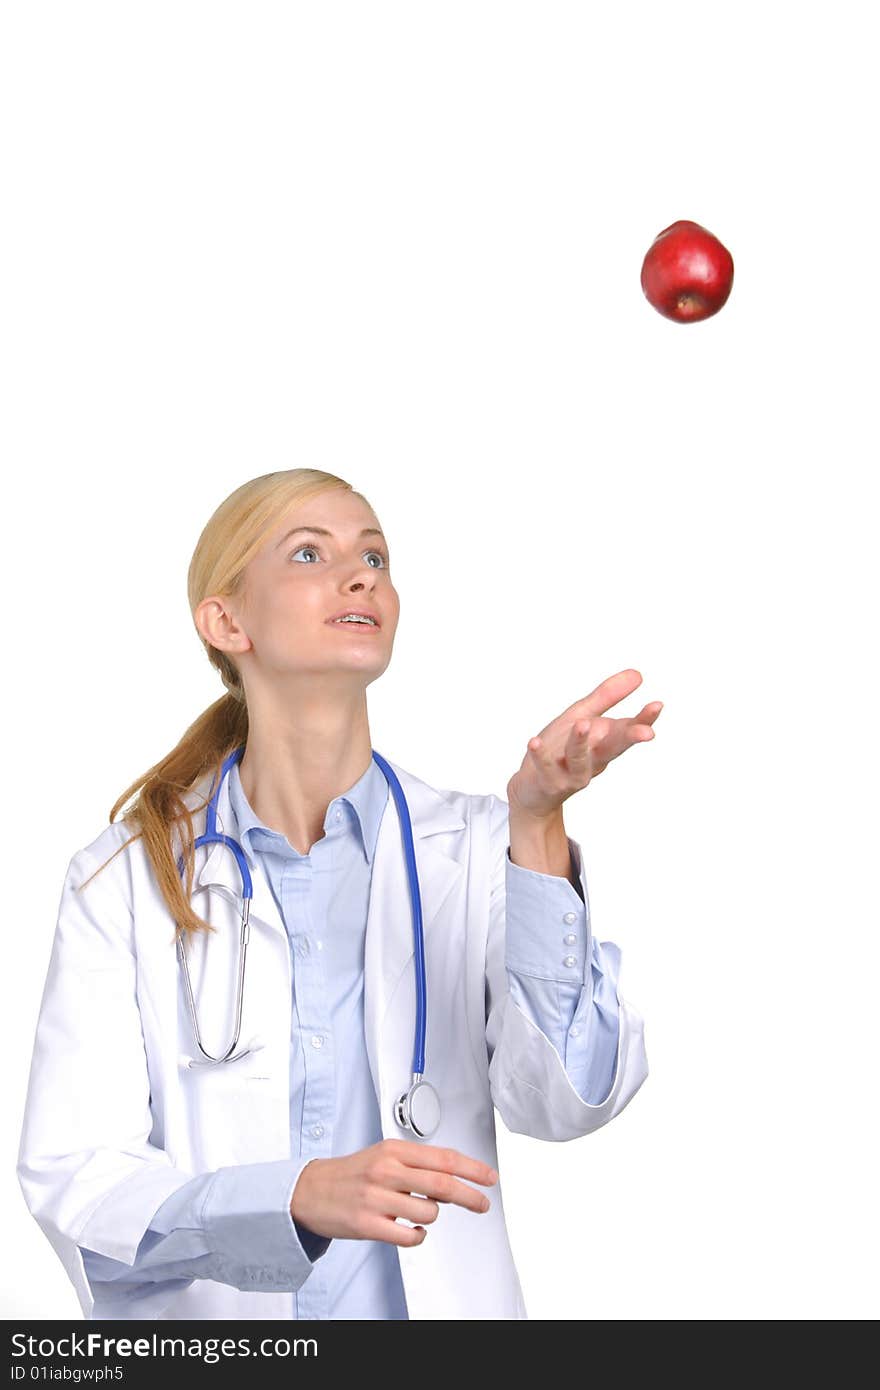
x: 300, y: 548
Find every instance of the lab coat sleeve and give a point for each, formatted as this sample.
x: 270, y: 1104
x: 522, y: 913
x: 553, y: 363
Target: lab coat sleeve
x: 224, y: 1226
x: 91, y: 1174
x: 529, y: 1084
x: 546, y: 941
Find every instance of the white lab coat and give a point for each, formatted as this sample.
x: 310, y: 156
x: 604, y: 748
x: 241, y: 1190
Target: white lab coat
x: 114, y: 1123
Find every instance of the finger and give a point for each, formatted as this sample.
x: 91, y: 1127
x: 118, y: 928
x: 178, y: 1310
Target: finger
x: 608, y: 694
x: 447, y: 1161
x: 422, y: 1210
x: 648, y: 713
x: 393, y: 1232
x: 539, y: 750
x: 442, y: 1187
x: 641, y: 733
x: 544, y: 757
x: 578, y: 745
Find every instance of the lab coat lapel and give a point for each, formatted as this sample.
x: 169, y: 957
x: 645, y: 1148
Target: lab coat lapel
x: 390, y: 942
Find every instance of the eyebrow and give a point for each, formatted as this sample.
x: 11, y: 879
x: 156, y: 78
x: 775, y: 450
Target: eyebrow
x: 322, y: 531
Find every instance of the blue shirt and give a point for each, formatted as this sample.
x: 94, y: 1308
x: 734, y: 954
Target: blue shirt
x: 221, y: 1225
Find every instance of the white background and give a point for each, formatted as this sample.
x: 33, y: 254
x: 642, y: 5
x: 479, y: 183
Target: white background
x: 402, y: 242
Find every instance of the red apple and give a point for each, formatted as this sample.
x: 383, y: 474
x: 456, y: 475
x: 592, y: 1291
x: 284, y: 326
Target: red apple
x: 687, y: 273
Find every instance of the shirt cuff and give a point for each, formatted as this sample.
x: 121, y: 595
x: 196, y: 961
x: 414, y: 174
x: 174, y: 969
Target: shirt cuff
x: 248, y: 1221
x: 547, y: 925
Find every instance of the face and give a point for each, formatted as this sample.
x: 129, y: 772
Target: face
x: 335, y: 561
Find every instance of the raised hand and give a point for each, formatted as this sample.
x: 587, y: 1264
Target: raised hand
x: 577, y: 745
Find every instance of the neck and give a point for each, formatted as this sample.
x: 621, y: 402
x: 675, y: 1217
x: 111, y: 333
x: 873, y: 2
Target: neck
x: 293, y: 767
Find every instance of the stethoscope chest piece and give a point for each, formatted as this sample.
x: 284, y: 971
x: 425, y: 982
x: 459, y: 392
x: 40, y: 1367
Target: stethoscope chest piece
x: 418, y: 1109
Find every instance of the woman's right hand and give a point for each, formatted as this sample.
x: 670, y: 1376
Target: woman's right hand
x: 360, y: 1195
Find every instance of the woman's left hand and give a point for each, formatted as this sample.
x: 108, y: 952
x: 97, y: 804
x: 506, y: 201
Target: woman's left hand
x: 577, y: 746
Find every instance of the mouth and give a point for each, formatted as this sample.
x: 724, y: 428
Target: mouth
x: 354, y: 626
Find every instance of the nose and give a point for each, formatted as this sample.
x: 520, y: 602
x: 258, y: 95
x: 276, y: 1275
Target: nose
x: 359, y: 583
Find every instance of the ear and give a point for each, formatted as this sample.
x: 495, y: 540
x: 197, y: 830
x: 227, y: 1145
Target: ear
x: 217, y: 624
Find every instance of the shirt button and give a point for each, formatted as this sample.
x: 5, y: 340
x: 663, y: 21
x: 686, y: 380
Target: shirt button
x: 569, y: 917
x: 570, y: 960
x: 317, y: 1040
x: 574, y: 1030
x: 338, y: 814
x: 571, y: 939
x: 317, y: 1131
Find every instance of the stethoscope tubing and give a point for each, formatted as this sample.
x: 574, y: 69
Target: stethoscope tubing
x: 412, y: 874
x: 213, y: 836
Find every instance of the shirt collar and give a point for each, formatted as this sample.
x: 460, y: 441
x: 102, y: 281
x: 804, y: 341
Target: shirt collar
x: 363, y: 805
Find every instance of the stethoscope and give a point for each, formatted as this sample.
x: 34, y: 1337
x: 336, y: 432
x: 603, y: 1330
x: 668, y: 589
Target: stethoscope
x: 417, y: 1109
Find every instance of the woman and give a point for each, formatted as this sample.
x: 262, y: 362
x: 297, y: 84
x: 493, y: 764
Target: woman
x: 281, y: 1183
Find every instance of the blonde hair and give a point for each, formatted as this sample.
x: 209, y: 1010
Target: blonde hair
x: 232, y: 536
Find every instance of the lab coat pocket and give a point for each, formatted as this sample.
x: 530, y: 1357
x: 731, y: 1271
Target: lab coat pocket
x: 234, y: 1112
